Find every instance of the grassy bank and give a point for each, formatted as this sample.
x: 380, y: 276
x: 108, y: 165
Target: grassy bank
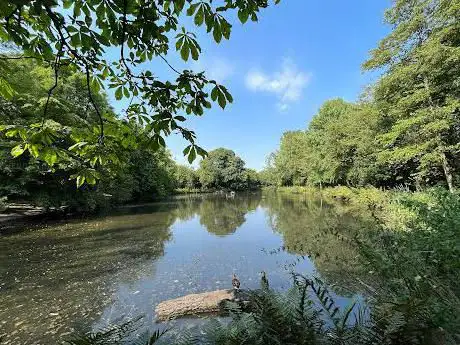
x: 395, y: 209
x: 190, y: 191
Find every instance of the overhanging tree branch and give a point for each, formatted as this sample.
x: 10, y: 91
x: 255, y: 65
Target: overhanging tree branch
x: 50, y: 91
x: 101, y: 121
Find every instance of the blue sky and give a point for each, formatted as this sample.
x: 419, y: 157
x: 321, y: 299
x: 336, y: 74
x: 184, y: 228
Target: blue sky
x: 280, y: 70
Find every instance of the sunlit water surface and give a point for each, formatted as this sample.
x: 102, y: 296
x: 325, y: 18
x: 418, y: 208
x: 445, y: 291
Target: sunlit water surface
x: 78, y: 275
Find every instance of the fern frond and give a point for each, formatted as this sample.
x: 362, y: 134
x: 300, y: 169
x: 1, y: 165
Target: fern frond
x: 112, y: 334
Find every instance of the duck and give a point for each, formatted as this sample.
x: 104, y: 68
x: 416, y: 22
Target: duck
x: 264, y: 281
x: 235, y: 282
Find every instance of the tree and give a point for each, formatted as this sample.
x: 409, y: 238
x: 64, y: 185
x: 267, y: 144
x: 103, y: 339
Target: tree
x: 252, y: 178
x: 141, y: 174
x: 186, y: 177
x: 337, y: 148
x: 419, y: 93
x: 76, y: 34
x: 222, y: 169
x: 290, y: 160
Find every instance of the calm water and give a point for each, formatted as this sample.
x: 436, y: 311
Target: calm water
x: 82, y: 274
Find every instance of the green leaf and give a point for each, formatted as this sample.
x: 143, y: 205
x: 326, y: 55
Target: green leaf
x: 179, y: 118
x: 67, y: 3
x: 119, y: 93
x: 185, y: 51
x: 191, y: 10
x: 75, y: 40
x: 187, y: 150
x: 243, y: 15
x: 226, y: 29
x: 227, y: 95
x: 86, y: 40
x: 77, y: 9
x: 221, y: 100
x: 199, y: 17
x: 17, y: 150
x: 80, y: 180
x: 194, y: 51
x: 95, y: 85
x: 217, y: 33
x: 161, y: 141
x: 201, y: 151
x: 49, y: 156
x: 191, y: 155
x: 214, y: 93
x: 179, y: 43
x: 34, y: 150
x: 6, y: 91
x: 178, y: 5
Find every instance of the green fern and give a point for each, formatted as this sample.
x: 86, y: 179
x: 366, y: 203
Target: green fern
x: 118, y: 335
x: 305, y: 314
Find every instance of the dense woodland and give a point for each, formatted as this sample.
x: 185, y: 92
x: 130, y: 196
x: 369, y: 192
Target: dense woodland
x: 62, y: 144
x: 405, y: 129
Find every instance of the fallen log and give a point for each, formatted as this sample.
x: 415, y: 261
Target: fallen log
x: 193, y: 305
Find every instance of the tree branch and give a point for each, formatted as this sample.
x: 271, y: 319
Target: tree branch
x: 101, y: 122
x: 122, y: 54
x: 50, y: 91
x: 57, y: 25
x: 164, y: 59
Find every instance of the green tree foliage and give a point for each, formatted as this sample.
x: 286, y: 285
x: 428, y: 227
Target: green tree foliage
x: 337, y: 148
x: 290, y: 159
x: 407, y: 130
x: 419, y: 93
x: 223, y: 169
x: 74, y: 35
x: 186, y: 177
x: 141, y: 173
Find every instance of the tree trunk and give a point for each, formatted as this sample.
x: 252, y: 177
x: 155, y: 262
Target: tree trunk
x: 447, y: 172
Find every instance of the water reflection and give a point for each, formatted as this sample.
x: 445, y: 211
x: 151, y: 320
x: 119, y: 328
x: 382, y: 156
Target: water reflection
x: 223, y: 216
x: 322, y: 231
x: 71, y: 275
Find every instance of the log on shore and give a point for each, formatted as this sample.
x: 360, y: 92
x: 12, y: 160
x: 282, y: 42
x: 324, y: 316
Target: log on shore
x: 193, y: 305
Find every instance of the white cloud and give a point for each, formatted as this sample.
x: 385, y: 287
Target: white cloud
x: 288, y: 84
x: 218, y: 69
x: 282, y: 107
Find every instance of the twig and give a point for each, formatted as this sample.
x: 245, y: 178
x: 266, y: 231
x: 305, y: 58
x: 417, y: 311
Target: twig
x: 164, y: 59
x: 50, y: 91
x: 61, y: 35
x: 122, y: 57
x: 101, y: 138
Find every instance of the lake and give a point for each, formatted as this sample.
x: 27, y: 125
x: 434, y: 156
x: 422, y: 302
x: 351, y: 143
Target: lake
x: 58, y: 277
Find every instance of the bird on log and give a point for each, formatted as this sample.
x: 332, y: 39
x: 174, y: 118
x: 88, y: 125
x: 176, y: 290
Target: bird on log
x: 235, y: 282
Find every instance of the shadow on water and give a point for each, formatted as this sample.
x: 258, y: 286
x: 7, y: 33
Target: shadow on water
x: 70, y: 275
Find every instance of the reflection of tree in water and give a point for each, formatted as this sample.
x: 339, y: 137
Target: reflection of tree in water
x: 54, y: 277
x: 219, y: 215
x: 222, y: 217
x: 187, y: 206
x: 322, y: 231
